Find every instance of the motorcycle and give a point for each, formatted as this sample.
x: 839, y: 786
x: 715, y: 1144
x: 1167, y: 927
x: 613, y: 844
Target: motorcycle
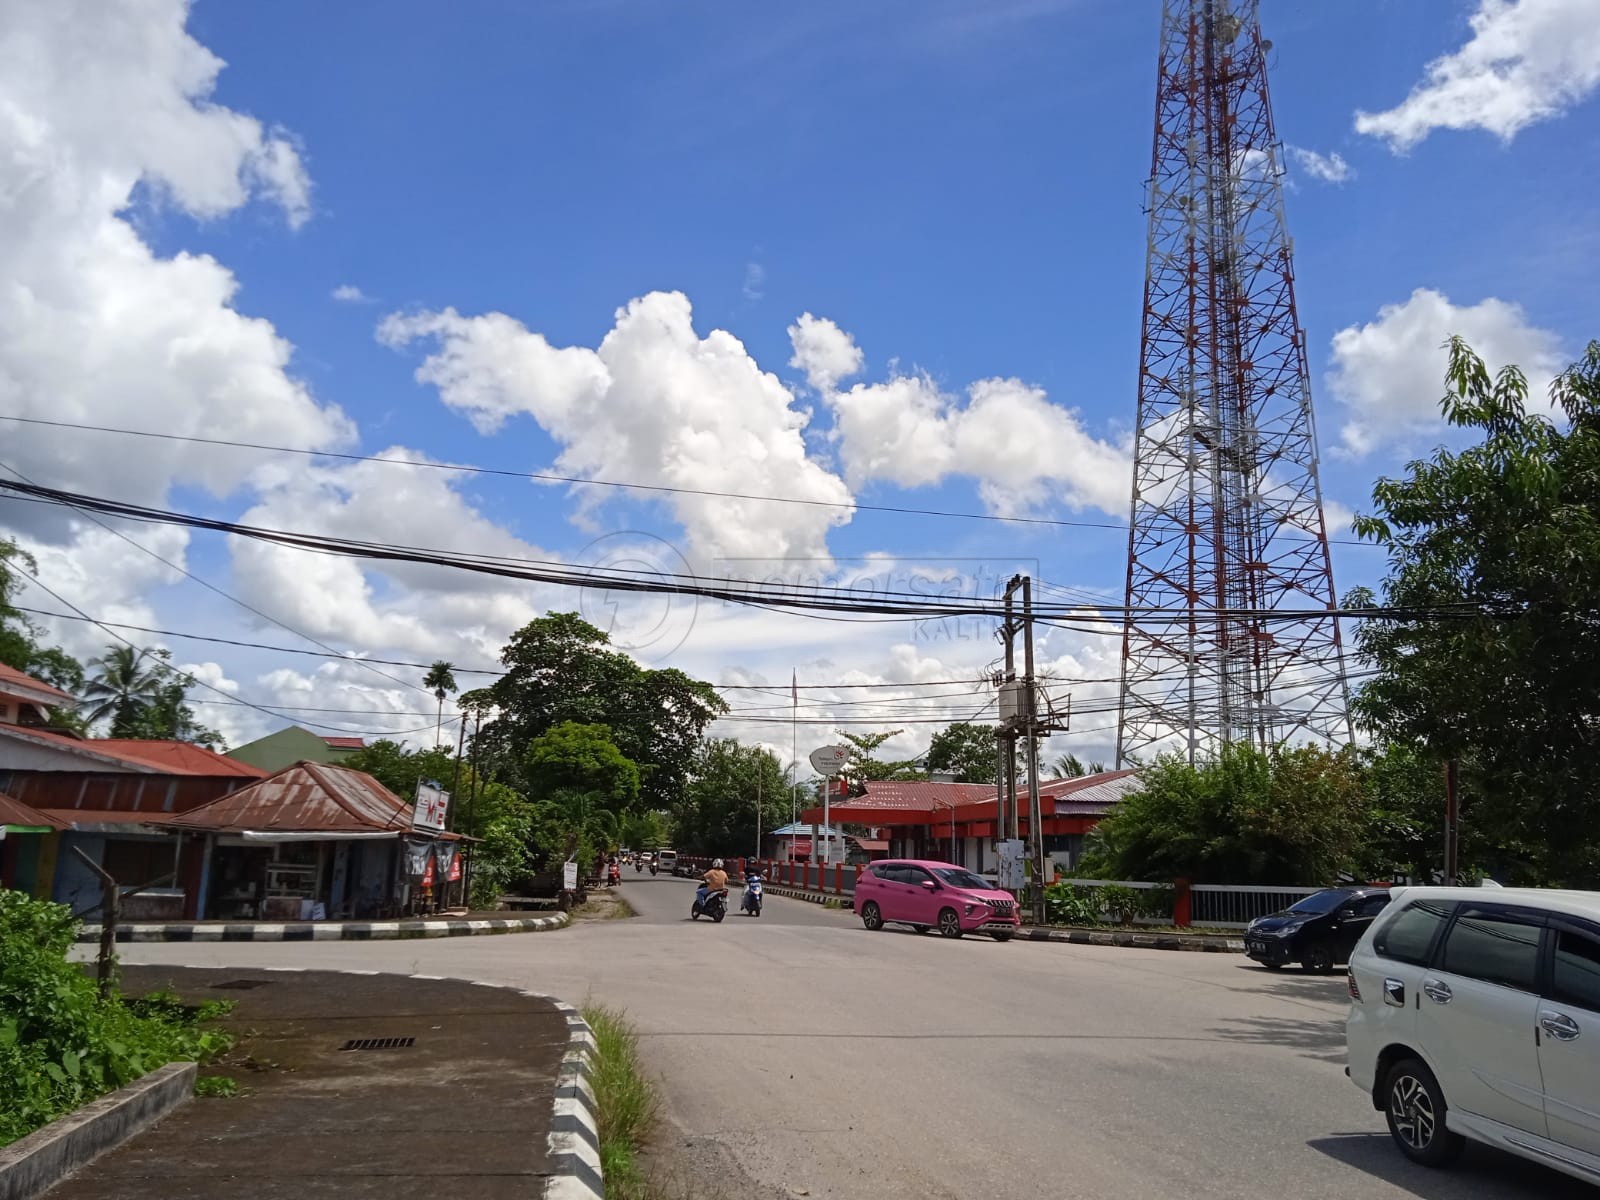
x: 616, y: 875
x: 652, y: 868
x: 638, y: 867
x: 714, y: 906
x: 750, y: 902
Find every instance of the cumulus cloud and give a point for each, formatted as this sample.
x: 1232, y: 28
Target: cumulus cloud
x: 97, y: 101
x: 1389, y: 373
x: 349, y: 293
x: 823, y: 351
x: 1024, y: 451
x: 1527, y: 61
x: 1329, y: 168
x: 654, y: 403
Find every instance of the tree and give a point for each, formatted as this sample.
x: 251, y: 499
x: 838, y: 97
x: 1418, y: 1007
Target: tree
x: 400, y: 770
x: 121, y: 685
x: 1489, y: 652
x: 862, y: 766
x: 1294, y: 816
x: 718, y: 812
x: 560, y: 668
x: 167, y: 716
x: 441, y: 681
x: 20, y: 646
x: 1070, y: 766
x: 583, y: 758
x: 967, y: 751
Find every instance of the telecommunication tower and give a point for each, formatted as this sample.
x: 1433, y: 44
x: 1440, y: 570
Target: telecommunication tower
x: 1227, y: 524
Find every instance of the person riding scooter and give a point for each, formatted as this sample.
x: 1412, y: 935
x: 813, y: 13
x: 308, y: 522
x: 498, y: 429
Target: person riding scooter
x: 751, y: 901
x: 714, y: 880
x: 614, y: 872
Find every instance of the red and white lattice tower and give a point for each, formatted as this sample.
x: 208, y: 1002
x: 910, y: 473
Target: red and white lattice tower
x: 1227, y: 521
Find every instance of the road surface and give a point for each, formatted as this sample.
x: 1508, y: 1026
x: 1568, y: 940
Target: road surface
x: 833, y: 1062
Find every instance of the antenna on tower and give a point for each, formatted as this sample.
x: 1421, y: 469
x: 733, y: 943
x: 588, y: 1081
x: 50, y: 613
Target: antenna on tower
x: 1227, y: 520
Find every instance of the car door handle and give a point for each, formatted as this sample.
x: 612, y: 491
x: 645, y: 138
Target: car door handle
x: 1437, y: 990
x: 1558, y: 1025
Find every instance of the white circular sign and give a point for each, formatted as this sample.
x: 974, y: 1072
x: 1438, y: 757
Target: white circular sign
x: 826, y: 760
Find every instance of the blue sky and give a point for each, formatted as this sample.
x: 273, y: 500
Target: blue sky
x: 956, y: 185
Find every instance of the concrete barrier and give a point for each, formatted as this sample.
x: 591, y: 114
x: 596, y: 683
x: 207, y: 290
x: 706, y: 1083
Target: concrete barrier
x: 46, y: 1156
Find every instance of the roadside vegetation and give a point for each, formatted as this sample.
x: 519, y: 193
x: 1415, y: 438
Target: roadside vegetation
x: 626, y: 1103
x: 61, y: 1044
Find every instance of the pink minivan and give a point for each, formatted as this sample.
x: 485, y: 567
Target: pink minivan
x: 934, y: 895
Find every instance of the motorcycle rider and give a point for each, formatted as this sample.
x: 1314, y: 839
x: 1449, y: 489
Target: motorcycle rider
x: 752, y: 876
x: 714, y: 880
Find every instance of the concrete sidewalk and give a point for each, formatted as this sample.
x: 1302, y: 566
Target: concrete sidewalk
x: 465, y: 1110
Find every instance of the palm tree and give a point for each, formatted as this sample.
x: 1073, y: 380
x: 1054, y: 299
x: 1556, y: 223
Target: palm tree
x: 441, y: 678
x: 1070, y: 766
x: 119, y: 686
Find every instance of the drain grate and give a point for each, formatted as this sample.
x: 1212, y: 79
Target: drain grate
x: 396, y: 1043
x: 241, y: 984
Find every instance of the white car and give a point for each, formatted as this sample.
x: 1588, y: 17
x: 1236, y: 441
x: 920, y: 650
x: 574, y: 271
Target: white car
x: 1475, y: 1013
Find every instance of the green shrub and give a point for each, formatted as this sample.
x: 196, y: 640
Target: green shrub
x: 1067, y: 903
x: 60, y: 1044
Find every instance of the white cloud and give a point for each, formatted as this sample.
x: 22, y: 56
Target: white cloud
x: 1329, y: 168
x: 654, y: 403
x: 349, y: 293
x: 97, y: 100
x: 755, y: 281
x: 1389, y: 373
x: 823, y: 351
x: 1527, y: 61
x: 1024, y: 451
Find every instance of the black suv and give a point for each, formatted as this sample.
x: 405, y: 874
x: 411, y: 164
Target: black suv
x: 1318, y: 932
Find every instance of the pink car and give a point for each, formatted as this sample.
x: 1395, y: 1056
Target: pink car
x: 934, y: 895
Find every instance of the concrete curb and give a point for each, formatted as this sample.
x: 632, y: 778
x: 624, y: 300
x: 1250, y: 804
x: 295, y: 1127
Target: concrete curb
x: 325, y: 931
x: 1133, y: 941
x: 574, y: 1130
x: 42, y: 1159
x: 846, y: 902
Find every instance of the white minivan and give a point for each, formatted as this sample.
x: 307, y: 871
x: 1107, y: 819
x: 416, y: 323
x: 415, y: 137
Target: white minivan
x: 1475, y: 1013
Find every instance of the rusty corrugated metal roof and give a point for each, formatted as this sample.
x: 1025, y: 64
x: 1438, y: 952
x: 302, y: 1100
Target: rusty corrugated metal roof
x: 305, y: 797
x: 27, y: 683
x: 15, y: 812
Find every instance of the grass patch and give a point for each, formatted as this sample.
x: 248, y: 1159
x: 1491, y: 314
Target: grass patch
x: 625, y: 1103
x: 216, y: 1085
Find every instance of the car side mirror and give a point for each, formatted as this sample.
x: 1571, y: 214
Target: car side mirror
x: 930, y: 885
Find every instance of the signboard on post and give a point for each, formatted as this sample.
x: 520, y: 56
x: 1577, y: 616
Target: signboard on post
x: 433, y: 805
x: 828, y: 760
x: 1012, y: 853
x: 569, y: 876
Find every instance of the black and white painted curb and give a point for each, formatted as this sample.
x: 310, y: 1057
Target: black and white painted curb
x: 811, y: 897
x: 574, y: 1131
x: 324, y: 931
x: 574, y: 1137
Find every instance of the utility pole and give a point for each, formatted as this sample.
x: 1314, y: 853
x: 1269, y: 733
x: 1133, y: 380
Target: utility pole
x: 1019, y: 715
x: 1035, y: 822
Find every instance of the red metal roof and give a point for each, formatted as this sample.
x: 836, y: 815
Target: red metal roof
x: 919, y: 794
x: 67, y: 818
x: 344, y: 743
x: 15, y: 812
x: 305, y: 797
x: 10, y: 675
x: 161, y: 757
x: 178, y: 758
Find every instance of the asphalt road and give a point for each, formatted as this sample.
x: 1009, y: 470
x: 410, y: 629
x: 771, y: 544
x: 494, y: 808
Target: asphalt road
x: 834, y: 1062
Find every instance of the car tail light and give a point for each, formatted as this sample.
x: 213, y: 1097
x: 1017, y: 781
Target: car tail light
x: 1354, y: 988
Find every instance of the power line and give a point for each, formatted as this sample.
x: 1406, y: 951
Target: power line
x: 808, y: 601
x: 548, y: 477
x: 198, y: 682
x: 207, y: 584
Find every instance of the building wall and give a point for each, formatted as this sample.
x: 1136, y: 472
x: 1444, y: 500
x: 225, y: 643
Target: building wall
x: 287, y: 747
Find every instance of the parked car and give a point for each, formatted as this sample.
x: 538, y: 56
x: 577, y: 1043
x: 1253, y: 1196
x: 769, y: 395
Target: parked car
x: 1318, y: 932
x: 934, y: 895
x: 1476, y: 1014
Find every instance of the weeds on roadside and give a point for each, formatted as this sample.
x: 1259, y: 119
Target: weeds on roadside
x: 216, y: 1085
x: 625, y: 1102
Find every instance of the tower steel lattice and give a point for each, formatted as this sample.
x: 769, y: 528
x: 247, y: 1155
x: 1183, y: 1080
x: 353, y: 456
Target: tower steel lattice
x: 1227, y: 521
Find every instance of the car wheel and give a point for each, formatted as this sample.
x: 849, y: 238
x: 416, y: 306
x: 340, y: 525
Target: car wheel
x: 949, y: 923
x: 1317, y: 958
x: 871, y: 916
x: 1415, y: 1107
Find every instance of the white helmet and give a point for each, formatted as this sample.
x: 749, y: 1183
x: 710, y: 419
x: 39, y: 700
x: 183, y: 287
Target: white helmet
x: 716, y: 864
